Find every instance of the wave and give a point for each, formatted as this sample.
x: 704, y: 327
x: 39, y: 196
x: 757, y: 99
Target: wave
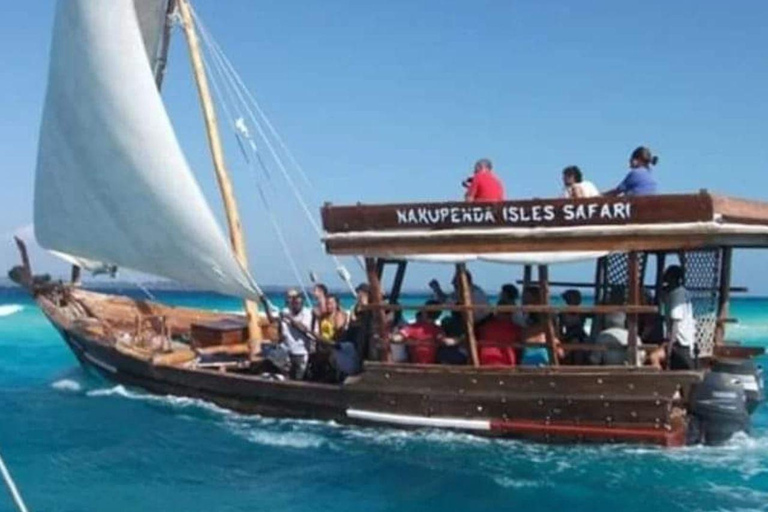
x: 293, y: 438
x: 179, y: 402
x: 67, y: 385
x: 10, y: 309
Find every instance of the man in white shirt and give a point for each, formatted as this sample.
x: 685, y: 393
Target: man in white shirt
x: 680, y: 322
x: 295, y: 333
x: 576, y: 186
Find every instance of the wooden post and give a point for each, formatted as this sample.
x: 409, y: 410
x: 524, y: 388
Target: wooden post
x: 236, y: 237
x: 397, y: 284
x: 633, y: 299
x: 469, y: 314
x: 724, y: 297
x: 75, y: 277
x: 26, y: 267
x: 661, y: 261
x: 380, y: 332
x: 527, y: 271
x: 550, y: 328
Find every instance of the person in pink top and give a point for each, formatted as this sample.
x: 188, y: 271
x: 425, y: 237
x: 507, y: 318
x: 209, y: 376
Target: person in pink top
x: 484, y: 186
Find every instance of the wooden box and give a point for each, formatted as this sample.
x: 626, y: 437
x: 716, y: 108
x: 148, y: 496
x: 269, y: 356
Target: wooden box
x: 220, y: 332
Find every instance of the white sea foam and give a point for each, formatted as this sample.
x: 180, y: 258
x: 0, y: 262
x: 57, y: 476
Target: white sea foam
x: 10, y: 309
x: 298, y: 440
x: 514, y: 483
x: 67, y: 385
x: 179, y: 402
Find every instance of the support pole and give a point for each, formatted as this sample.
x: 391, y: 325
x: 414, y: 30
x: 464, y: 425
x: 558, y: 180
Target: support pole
x: 469, y: 314
x: 380, y: 334
x: 222, y: 176
x: 527, y: 271
x: 633, y: 300
x: 724, y: 296
x: 549, y: 326
x: 76, y: 275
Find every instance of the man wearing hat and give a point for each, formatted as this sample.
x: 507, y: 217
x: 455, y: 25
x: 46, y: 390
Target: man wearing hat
x: 295, y: 332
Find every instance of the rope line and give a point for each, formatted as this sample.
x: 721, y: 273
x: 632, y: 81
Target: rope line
x: 15, y: 494
x: 240, y: 95
x: 240, y: 134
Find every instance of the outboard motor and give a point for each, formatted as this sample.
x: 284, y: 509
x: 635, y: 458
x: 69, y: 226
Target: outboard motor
x: 719, y: 410
x: 749, y: 374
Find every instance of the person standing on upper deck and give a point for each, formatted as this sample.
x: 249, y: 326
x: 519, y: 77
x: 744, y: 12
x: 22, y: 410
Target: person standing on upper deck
x: 640, y: 181
x: 484, y: 186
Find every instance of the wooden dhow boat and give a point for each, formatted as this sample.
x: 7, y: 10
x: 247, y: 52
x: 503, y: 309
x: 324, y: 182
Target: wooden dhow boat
x: 113, y: 187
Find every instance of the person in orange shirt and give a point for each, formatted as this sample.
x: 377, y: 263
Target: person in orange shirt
x: 484, y: 186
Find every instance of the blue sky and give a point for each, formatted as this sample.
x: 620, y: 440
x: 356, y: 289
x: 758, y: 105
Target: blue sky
x: 393, y: 101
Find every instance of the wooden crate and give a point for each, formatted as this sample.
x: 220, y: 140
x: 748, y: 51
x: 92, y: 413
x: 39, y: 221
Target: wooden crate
x: 220, y: 332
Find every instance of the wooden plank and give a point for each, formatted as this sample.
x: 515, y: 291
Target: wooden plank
x: 526, y: 213
x: 494, y: 242
x: 381, y: 337
x: 467, y: 380
x: 550, y: 328
x: 738, y: 352
x: 585, y: 285
x: 511, y: 405
x: 634, y: 300
x: 530, y: 308
x: 469, y: 313
x: 742, y: 211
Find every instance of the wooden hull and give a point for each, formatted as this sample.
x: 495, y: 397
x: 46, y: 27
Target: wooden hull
x: 597, y: 404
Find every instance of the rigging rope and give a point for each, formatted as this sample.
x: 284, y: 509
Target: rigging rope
x: 241, y: 132
x: 231, y: 78
x: 17, y: 499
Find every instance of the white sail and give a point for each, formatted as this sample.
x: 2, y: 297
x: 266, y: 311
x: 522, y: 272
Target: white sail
x: 152, y: 18
x: 112, y: 183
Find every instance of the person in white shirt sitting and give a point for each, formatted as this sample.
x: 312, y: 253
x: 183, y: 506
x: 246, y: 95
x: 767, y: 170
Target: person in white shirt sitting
x: 576, y: 186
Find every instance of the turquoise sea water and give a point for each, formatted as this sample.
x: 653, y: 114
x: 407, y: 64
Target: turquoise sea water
x: 76, y: 443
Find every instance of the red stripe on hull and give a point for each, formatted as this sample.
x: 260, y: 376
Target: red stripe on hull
x: 670, y: 438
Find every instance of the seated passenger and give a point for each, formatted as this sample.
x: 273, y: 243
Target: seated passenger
x: 334, y: 323
x: 362, y: 299
x: 571, y: 328
x: 650, y: 325
x: 478, y: 296
x: 640, y: 180
x: 484, y: 185
x: 536, y: 333
x: 496, y: 337
x: 531, y: 297
x: 320, y: 293
x: 576, y: 186
x: 508, y: 295
x: 614, y: 338
x: 422, y: 336
x: 295, y: 334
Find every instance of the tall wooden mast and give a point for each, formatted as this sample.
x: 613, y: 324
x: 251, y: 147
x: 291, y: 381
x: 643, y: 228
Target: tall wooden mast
x: 222, y: 176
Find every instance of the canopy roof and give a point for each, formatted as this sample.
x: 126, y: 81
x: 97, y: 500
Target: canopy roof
x: 664, y: 222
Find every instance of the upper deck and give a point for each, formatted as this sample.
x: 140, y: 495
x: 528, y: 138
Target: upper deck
x: 648, y: 223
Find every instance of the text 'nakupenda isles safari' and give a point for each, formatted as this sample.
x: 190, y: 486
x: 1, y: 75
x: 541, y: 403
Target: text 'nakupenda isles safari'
x: 514, y: 214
